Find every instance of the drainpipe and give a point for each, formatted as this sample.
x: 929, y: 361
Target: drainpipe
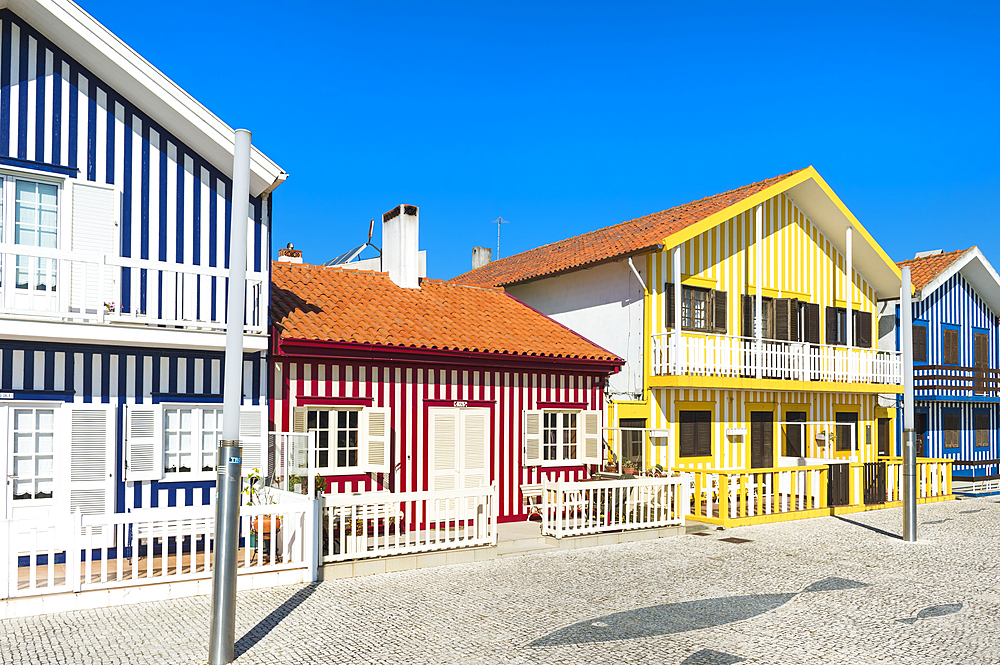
x: 909, y: 442
x: 677, y: 308
x: 230, y: 456
x: 849, y: 298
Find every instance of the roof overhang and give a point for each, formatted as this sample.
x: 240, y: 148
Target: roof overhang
x: 98, y: 49
x: 824, y: 209
x: 977, y: 271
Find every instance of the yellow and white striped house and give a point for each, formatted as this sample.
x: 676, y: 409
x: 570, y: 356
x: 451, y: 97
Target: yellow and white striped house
x: 771, y: 388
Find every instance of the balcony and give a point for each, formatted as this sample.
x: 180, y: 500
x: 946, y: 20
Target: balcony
x: 957, y: 381
x: 42, y: 290
x: 724, y: 356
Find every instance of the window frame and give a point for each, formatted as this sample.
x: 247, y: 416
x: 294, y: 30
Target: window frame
x: 8, y: 183
x: 840, y: 447
x: 697, y: 451
x: 711, y: 325
x: 335, y: 469
x: 34, y: 456
x: 947, y: 328
x: 947, y: 414
x: 561, y: 430
x: 197, y: 436
x: 921, y: 324
x: 976, y: 414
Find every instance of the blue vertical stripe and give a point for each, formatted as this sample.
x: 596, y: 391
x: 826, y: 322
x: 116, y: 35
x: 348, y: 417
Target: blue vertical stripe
x: 74, y: 102
x: 5, y: 45
x: 39, y: 102
x: 92, y: 131
x: 22, y: 97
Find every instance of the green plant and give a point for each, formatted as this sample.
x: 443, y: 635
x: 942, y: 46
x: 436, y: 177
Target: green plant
x: 255, y: 490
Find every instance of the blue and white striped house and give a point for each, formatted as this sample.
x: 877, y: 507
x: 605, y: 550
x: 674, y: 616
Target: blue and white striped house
x: 114, y: 232
x: 955, y: 358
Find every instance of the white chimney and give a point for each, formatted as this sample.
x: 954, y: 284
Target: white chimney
x: 480, y: 257
x: 400, y: 237
x: 290, y: 254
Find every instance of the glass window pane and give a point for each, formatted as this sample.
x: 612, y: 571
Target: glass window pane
x: 323, y: 439
x: 23, y: 419
x: 341, y: 418
x: 23, y: 466
x: 353, y: 419
x: 311, y: 419
x: 352, y: 458
x: 46, y: 419
x: 44, y: 442
x: 43, y: 466
x: 24, y: 443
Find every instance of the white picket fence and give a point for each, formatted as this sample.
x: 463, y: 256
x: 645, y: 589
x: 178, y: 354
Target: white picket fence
x: 730, y: 356
x: 376, y: 524
x: 150, y: 546
x: 583, y: 507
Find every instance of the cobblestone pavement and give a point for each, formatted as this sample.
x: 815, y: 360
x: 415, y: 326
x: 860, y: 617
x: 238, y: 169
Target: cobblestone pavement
x: 827, y: 590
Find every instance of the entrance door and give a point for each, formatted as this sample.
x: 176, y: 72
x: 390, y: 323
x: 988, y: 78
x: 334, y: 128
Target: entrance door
x: 795, y: 434
x: 31, y: 475
x: 920, y: 432
x: 981, y: 351
x: 459, y: 448
x: 884, y: 443
x: 761, y: 439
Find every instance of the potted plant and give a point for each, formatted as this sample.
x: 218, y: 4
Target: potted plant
x: 257, y: 494
x: 629, y: 467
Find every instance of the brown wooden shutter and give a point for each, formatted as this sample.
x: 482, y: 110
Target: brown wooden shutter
x: 793, y: 320
x: 982, y: 423
x: 863, y: 330
x: 982, y: 350
x: 831, y: 326
x: 884, y: 444
x: 920, y: 429
x: 687, y: 433
x: 919, y: 343
x: 812, y: 323
x: 747, y: 314
x: 719, y: 311
x: 670, y: 306
x: 951, y: 423
x: 703, y: 434
x: 951, y: 355
x: 782, y: 318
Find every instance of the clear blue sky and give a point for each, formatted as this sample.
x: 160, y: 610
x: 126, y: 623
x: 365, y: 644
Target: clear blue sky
x: 567, y: 117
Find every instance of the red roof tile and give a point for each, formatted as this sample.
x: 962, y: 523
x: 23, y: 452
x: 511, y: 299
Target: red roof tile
x: 926, y: 268
x: 610, y: 242
x: 333, y: 304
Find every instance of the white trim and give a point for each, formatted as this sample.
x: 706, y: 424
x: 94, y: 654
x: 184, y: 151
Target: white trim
x: 124, y: 334
x: 989, y: 293
x: 113, y: 61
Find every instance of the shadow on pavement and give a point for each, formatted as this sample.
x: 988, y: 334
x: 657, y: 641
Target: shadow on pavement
x: 869, y: 527
x: 265, y: 625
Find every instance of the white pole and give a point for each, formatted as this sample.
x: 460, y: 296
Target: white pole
x: 758, y: 259
x: 849, y: 293
x: 230, y: 457
x: 678, y: 294
x: 909, y: 449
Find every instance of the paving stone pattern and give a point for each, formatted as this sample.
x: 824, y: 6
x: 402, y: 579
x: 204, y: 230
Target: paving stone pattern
x: 827, y: 590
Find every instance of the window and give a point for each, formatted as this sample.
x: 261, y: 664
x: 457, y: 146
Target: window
x: 349, y: 439
x: 559, y: 437
x: 562, y: 438
x: 337, y: 437
x: 34, y: 433
x: 34, y: 223
x: 919, y: 341
x: 701, y: 309
x: 190, y: 439
x: 949, y: 346
x: 982, y: 423
x: 784, y: 319
x: 632, y: 439
x: 951, y: 423
x: 847, y: 431
x: 695, y: 433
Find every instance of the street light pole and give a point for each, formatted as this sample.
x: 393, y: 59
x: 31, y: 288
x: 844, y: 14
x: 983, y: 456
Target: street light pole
x: 909, y: 449
x: 230, y: 457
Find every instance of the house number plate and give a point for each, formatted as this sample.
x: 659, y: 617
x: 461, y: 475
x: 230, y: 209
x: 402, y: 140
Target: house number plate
x: 6, y: 395
x: 461, y: 405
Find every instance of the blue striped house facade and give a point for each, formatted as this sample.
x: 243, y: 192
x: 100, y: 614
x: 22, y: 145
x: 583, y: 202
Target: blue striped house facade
x: 98, y: 355
x: 956, y: 304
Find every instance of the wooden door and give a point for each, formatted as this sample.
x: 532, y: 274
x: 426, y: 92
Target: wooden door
x: 981, y: 351
x: 795, y: 436
x: 761, y: 439
x: 884, y: 443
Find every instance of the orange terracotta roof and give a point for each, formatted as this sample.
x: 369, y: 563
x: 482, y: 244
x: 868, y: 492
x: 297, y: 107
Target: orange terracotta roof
x: 333, y: 304
x: 926, y: 268
x: 610, y: 242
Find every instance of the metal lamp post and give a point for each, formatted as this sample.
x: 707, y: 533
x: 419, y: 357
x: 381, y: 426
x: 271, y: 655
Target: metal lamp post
x: 230, y: 458
x: 909, y: 448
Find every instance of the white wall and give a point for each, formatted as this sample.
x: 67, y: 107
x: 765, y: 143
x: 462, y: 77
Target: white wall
x: 604, y: 304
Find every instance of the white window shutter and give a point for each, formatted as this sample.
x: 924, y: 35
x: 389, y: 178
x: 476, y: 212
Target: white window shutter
x: 475, y: 448
x: 299, y: 419
x: 373, y: 453
x: 143, y: 442
x: 92, y: 463
x: 93, y: 231
x: 444, y: 449
x: 532, y: 449
x: 591, y: 435
x: 252, y: 440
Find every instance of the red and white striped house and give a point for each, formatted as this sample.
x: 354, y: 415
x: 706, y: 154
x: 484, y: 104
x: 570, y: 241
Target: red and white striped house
x: 412, y: 384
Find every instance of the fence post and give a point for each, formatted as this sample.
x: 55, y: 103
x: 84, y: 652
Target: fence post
x: 312, y: 536
x: 76, y: 525
x: 491, y: 514
x: 5, y: 541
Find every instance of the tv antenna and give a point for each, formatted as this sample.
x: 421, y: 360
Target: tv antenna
x: 498, y: 221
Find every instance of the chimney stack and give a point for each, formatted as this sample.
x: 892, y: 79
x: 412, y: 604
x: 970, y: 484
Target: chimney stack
x: 289, y: 254
x: 480, y: 257
x: 400, y: 238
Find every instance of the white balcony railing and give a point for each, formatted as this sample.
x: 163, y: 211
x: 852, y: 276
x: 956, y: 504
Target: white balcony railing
x: 38, y: 283
x: 726, y: 356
